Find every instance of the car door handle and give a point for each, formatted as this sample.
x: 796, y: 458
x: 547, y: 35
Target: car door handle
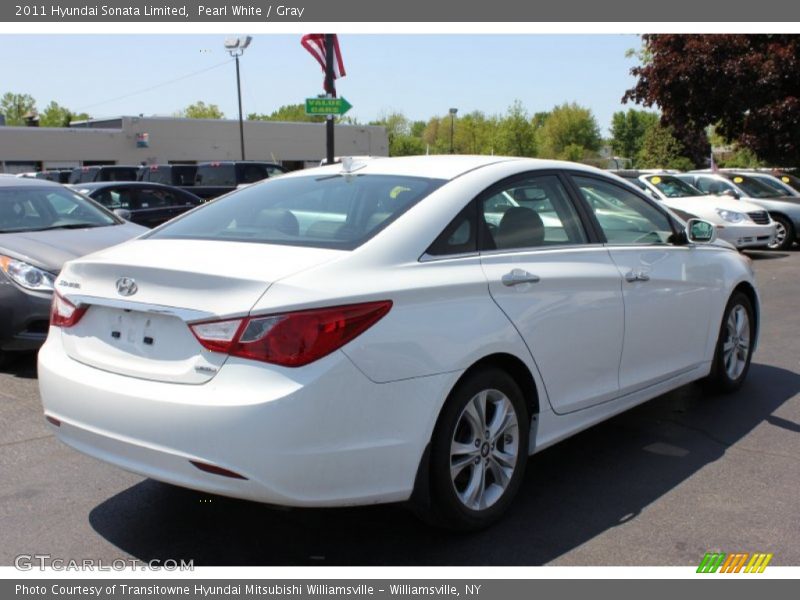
x: 518, y: 276
x: 632, y: 276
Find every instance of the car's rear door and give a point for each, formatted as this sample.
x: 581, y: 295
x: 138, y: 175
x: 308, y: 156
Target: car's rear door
x: 557, y: 284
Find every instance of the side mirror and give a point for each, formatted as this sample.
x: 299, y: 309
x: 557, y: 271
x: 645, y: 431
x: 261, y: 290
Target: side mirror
x: 700, y: 232
x: 732, y: 193
x: 123, y: 213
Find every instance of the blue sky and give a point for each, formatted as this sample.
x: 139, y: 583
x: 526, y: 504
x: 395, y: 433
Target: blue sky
x: 418, y: 74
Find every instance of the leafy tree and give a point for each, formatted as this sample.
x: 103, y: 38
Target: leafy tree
x: 201, y: 110
x: 748, y: 85
x: 16, y: 106
x: 515, y: 133
x: 289, y: 113
x: 628, y: 130
x: 406, y: 145
x: 475, y: 133
x: 662, y: 150
x: 418, y: 128
x: 569, y: 132
x: 55, y: 115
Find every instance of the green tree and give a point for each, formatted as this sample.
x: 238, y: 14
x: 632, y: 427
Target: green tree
x: 515, y: 132
x: 292, y: 113
x: 628, y: 130
x: 475, y: 133
x: 569, y: 132
x: 16, y: 106
x: 406, y: 145
x: 662, y: 150
x: 201, y: 110
x: 55, y: 115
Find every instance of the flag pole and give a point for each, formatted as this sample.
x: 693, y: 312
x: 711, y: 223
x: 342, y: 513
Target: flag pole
x: 331, y: 92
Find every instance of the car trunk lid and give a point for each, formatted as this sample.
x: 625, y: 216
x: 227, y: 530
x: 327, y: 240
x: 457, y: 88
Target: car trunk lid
x: 141, y: 297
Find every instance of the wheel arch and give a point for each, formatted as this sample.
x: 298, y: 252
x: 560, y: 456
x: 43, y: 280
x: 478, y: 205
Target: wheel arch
x: 748, y: 290
x: 420, y: 499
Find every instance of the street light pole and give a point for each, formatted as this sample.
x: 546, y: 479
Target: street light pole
x: 453, y: 112
x: 236, y: 47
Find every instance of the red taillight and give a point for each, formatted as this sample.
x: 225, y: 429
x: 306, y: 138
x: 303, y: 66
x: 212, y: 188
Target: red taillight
x: 64, y: 313
x: 292, y: 339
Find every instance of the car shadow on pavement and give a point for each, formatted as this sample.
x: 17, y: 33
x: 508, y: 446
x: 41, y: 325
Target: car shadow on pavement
x: 764, y: 254
x: 572, y: 492
x: 22, y: 365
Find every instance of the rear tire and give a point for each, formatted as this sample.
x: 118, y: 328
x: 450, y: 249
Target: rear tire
x: 478, y: 452
x: 734, y: 346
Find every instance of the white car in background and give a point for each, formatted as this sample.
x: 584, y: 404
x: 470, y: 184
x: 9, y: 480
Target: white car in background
x: 365, y: 332
x: 741, y: 223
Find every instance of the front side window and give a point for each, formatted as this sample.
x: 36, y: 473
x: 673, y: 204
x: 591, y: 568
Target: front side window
x: 338, y: 211
x: 624, y: 217
x: 713, y: 186
x: 530, y: 212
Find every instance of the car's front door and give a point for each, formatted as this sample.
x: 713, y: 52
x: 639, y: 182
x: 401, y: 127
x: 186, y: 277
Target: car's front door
x: 667, y: 287
x: 561, y: 291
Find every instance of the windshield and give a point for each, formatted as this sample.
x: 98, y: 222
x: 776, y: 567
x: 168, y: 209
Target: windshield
x: 754, y: 188
x: 40, y: 208
x: 776, y: 184
x: 332, y: 211
x: 672, y: 187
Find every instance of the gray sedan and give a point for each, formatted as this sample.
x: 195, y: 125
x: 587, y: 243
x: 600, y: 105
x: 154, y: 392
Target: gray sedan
x: 43, y: 225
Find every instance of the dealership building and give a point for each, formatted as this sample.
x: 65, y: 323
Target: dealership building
x: 163, y: 140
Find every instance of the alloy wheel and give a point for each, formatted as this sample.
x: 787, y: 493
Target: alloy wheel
x: 484, y: 450
x: 736, y: 347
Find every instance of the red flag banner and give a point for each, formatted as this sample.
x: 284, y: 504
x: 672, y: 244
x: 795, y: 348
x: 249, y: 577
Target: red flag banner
x: 315, y: 44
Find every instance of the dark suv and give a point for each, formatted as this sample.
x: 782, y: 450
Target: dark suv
x: 103, y: 173
x: 216, y: 178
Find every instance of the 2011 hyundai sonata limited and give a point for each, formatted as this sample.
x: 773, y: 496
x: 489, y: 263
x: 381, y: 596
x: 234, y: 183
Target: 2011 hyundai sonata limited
x: 373, y: 331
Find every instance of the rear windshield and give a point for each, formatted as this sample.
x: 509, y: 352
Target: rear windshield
x: 332, y: 211
x: 222, y: 175
x: 118, y: 174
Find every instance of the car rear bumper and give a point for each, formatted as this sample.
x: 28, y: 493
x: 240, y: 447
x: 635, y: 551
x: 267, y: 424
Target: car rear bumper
x: 323, y: 435
x: 25, y: 317
x: 747, y: 236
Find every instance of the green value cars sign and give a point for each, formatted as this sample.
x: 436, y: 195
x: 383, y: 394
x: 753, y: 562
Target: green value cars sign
x: 327, y: 106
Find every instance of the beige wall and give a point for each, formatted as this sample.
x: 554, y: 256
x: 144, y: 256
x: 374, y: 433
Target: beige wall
x: 188, y: 140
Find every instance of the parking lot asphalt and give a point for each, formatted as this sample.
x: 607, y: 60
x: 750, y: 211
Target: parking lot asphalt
x: 659, y: 485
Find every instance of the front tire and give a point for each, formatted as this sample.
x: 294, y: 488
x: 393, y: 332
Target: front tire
x: 784, y: 233
x: 734, y: 346
x: 478, y: 452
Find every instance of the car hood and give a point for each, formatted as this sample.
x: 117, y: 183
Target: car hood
x: 49, y: 250
x: 707, y: 205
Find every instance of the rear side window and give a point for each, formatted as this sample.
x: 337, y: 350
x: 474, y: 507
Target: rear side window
x: 339, y: 211
x: 530, y: 212
x: 216, y: 174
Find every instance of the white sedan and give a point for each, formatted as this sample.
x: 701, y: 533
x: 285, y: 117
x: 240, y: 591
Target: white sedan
x: 363, y: 333
x: 741, y: 223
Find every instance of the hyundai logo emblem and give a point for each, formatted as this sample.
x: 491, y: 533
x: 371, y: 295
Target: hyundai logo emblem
x: 126, y: 286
